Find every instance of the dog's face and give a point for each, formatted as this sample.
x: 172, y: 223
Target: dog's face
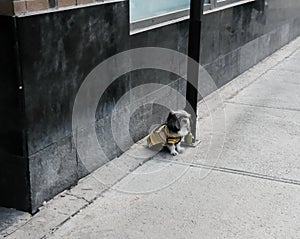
x: 179, y: 122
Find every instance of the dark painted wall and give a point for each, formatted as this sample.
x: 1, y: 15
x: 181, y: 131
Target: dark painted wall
x: 14, y: 180
x: 58, y: 50
x: 235, y: 39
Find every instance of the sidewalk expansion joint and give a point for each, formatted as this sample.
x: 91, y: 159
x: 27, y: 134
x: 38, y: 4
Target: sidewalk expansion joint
x: 285, y: 70
x: 236, y: 172
x: 263, y: 106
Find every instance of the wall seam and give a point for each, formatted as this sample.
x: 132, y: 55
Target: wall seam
x: 22, y: 111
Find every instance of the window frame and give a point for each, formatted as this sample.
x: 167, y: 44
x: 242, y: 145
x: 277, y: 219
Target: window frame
x: 149, y: 23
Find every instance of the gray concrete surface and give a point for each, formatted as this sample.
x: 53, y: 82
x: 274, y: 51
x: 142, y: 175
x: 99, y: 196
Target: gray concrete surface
x: 242, y: 181
x: 11, y: 220
x: 262, y: 125
x: 221, y: 205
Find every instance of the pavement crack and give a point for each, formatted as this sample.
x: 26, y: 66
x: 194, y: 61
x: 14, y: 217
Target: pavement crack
x: 78, y: 197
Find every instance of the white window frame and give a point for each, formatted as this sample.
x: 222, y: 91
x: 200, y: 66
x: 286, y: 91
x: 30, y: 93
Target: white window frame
x: 180, y: 15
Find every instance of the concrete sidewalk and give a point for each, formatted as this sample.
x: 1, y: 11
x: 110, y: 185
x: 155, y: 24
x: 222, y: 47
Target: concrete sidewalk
x: 243, y: 182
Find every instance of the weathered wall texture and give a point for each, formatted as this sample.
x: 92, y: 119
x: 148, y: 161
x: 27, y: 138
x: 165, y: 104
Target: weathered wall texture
x: 57, y: 50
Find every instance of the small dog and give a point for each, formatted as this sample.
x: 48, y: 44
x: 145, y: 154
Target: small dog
x: 171, y: 133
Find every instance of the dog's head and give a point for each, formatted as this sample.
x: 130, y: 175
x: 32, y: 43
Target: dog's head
x: 179, y: 122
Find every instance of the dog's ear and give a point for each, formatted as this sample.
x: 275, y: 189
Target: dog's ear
x: 173, y: 122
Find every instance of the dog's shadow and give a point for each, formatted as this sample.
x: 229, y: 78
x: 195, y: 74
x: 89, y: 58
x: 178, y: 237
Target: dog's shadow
x: 161, y: 153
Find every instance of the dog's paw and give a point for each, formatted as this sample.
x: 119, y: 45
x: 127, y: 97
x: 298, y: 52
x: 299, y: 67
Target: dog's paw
x: 180, y: 150
x: 174, y: 153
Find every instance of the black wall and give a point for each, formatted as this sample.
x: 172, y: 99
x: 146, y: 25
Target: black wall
x: 14, y: 179
x: 57, y: 51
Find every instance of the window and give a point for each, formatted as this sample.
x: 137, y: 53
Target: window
x: 149, y: 14
x: 221, y: 3
x: 141, y: 9
x: 216, y: 5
